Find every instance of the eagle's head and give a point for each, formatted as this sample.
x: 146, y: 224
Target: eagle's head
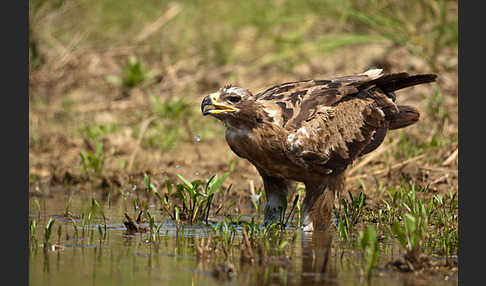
x: 227, y: 101
x: 230, y: 104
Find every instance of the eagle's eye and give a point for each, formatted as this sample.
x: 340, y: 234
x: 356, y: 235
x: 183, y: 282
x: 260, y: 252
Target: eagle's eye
x: 234, y: 98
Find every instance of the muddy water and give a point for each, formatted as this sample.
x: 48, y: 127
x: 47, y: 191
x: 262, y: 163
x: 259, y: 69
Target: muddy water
x: 121, y: 259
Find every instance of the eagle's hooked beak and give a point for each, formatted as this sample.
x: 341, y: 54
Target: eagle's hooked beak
x: 211, y: 105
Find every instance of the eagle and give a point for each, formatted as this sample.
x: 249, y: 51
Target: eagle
x: 310, y: 131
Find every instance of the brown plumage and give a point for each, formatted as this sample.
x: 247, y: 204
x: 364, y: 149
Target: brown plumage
x: 310, y: 131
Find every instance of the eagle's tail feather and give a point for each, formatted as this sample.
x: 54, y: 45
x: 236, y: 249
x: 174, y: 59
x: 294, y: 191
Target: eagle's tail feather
x: 407, y: 115
x: 392, y: 84
x: 396, y: 81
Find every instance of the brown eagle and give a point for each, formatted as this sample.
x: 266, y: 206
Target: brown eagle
x: 310, y: 131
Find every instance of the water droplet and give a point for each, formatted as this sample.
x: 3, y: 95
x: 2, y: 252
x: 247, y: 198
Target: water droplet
x: 177, y: 166
x: 134, y: 187
x: 198, y: 138
x: 196, y: 173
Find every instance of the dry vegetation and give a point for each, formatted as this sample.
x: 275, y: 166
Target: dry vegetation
x: 116, y: 86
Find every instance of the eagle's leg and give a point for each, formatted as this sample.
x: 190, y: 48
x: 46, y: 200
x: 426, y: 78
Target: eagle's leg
x: 318, y: 204
x: 319, y: 201
x: 276, y: 190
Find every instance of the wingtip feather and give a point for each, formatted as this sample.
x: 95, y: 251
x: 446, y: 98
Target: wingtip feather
x: 373, y: 73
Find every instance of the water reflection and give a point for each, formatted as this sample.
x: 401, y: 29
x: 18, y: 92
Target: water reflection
x: 46, y: 261
x: 309, y: 265
x: 316, y: 259
x: 316, y: 250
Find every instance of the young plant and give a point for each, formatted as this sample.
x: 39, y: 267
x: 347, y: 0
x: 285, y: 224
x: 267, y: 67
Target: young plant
x: 95, y: 132
x: 75, y: 226
x: 170, y: 116
x: 134, y: 74
x: 86, y: 217
x: 68, y: 206
x: 195, y: 199
x: 101, y: 235
x: 294, y: 204
x: 368, y: 243
x: 152, y: 227
x: 149, y: 186
x: 407, y: 218
x: 48, y: 230
x: 92, y: 163
x: 446, y: 221
x: 59, y: 233
x: 348, y: 215
x: 97, y: 209
x: 410, y: 234
x: 299, y: 205
x: 37, y: 205
x: 32, y: 232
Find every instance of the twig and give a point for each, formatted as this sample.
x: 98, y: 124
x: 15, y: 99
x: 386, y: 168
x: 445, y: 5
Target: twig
x: 442, y: 178
x: 67, y: 52
x: 372, y: 156
x: 384, y: 171
x: 252, y: 187
x: 442, y: 170
x: 133, y: 225
x: 451, y: 158
x: 247, y: 243
x: 174, y: 9
x: 182, y: 81
x: 143, y: 129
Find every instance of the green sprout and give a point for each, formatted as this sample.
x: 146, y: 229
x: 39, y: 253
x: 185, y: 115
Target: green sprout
x: 368, y: 243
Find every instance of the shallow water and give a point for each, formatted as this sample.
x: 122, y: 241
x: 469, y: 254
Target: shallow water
x: 122, y: 259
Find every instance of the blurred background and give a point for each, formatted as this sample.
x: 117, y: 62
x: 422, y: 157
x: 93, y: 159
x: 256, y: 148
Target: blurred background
x: 116, y: 86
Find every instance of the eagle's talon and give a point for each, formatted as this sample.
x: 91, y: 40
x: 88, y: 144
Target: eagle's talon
x: 306, y: 223
x: 308, y: 228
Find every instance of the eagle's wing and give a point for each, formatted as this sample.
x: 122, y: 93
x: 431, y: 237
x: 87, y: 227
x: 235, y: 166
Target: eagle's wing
x: 331, y: 122
x: 292, y: 103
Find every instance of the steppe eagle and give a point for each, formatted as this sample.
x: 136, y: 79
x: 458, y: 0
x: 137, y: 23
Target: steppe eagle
x: 310, y: 131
